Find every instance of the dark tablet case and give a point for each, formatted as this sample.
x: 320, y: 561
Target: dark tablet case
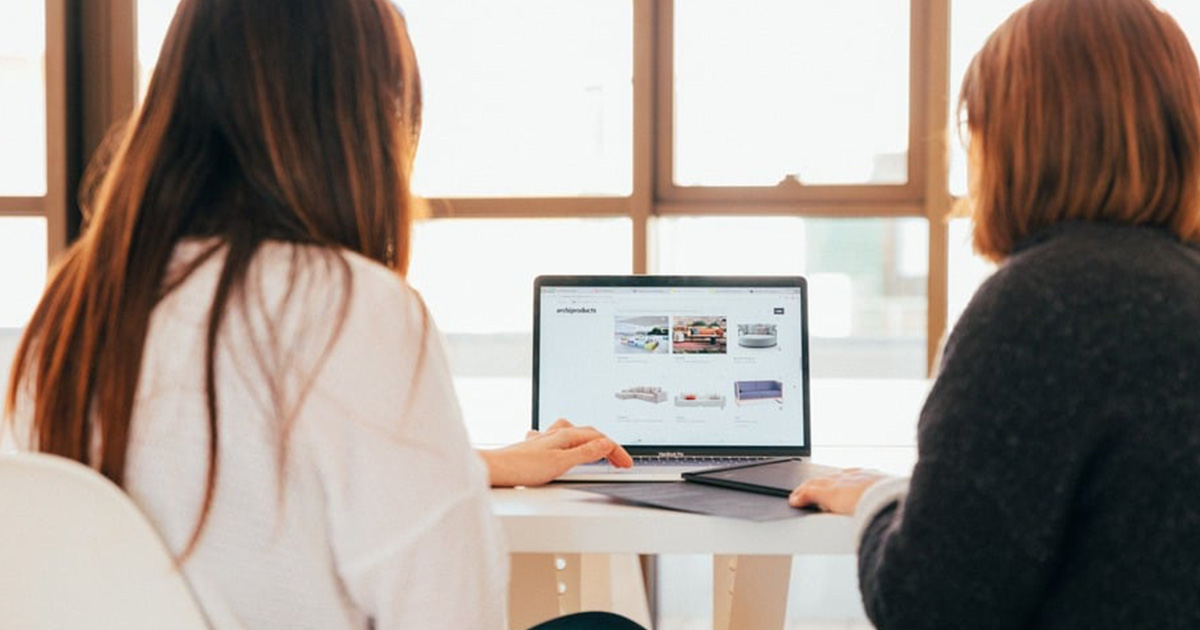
x: 776, y: 477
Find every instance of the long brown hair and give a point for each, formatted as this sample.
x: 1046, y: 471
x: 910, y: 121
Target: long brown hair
x: 1085, y: 110
x: 281, y: 120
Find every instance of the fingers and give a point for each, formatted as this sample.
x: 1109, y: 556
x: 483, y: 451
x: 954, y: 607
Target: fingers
x: 813, y: 492
x: 806, y: 494
x: 572, y: 436
x: 619, y: 457
x: 561, y: 423
x: 838, y: 493
x: 591, y: 451
x: 799, y: 498
x: 576, y: 437
x: 586, y: 442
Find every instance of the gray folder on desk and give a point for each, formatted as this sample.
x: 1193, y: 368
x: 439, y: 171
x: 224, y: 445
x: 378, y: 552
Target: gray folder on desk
x: 700, y: 499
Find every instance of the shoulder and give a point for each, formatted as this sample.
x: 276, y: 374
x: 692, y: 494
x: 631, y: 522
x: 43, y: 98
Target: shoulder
x: 322, y: 273
x: 335, y: 324
x: 1082, y: 306
x: 1088, y: 278
x: 1077, y: 258
x: 313, y: 294
x: 374, y: 348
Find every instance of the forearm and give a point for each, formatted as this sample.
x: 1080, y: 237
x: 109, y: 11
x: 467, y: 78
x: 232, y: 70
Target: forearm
x: 957, y: 553
x: 496, y: 469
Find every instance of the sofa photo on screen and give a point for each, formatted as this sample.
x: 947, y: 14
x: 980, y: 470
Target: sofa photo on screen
x: 646, y: 393
x: 700, y: 400
x: 748, y: 391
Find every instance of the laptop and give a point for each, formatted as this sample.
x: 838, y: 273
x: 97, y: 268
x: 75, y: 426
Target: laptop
x: 686, y: 372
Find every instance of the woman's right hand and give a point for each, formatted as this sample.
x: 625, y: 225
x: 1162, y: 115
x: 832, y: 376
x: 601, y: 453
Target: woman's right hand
x: 545, y: 455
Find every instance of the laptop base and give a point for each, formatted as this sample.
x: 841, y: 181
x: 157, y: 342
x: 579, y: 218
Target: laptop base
x: 650, y: 469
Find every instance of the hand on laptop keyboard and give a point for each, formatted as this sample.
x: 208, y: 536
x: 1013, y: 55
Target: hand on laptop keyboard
x: 545, y: 455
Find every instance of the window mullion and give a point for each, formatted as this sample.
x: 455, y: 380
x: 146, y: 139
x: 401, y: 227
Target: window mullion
x: 641, y: 203
x: 54, y: 205
x: 931, y: 37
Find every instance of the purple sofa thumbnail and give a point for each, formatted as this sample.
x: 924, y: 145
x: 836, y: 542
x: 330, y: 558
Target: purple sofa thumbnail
x: 757, y: 390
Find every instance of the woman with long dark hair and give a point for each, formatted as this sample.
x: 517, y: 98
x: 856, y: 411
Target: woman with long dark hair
x: 1059, y: 464
x: 231, y: 339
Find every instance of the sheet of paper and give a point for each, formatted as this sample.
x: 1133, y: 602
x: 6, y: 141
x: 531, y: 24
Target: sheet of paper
x: 693, y: 497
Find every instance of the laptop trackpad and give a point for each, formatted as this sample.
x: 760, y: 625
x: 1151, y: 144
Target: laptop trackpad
x: 602, y: 471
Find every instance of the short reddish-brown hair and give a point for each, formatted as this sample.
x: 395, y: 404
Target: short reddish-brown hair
x: 1085, y: 110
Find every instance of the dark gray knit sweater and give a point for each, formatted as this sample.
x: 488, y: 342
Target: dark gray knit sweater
x: 1058, y: 483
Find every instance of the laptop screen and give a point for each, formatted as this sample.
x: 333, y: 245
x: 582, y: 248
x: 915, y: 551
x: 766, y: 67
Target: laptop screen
x: 688, y: 364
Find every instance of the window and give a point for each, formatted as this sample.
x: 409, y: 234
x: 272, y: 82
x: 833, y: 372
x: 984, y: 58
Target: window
x: 153, y: 19
x: 529, y: 98
x: 476, y: 276
x: 571, y: 136
x: 769, y: 103
x: 867, y: 280
x: 23, y: 105
x: 23, y: 257
x: 23, y: 153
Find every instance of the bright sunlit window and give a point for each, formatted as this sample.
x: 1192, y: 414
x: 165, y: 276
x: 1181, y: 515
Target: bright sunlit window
x: 527, y: 98
x: 23, y: 259
x: 867, y: 280
x: 153, y: 19
x: 524, y: 98
x: 534, y: 98
x: 22, y: 99
x: 476, y: 276
x: 771, y: 89
x: 23, y: 244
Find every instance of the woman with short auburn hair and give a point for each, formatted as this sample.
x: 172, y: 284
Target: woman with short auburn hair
x: 1057, y: 471
x: 1065, y: 124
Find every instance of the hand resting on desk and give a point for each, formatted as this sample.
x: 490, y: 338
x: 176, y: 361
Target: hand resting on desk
x: 544, y: 455
x: 838, y: 493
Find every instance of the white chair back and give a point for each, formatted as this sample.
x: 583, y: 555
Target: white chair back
x: 75, y: 552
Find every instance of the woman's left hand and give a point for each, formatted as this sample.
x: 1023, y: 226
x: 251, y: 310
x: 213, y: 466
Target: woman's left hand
x: 838, y: 493
x: 545, y: 455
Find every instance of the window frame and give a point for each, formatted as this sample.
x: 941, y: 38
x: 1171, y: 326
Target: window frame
x: 52, y: 204
x: 90, y: 70
x: 867, y: 197
x: 654, y: 193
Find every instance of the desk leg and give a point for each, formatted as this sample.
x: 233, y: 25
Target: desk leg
x: 750, y: 592
x: 544, y: 586
x: 532, y: 589
x: 613, y: 582
x: 624, y: 587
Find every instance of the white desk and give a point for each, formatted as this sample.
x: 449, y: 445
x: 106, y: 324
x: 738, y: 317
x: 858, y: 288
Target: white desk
x: 556, y: 518
x: 590, y: 544
x: 584, y: 547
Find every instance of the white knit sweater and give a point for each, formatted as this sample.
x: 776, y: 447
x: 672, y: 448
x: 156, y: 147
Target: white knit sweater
x: 347, y: 491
